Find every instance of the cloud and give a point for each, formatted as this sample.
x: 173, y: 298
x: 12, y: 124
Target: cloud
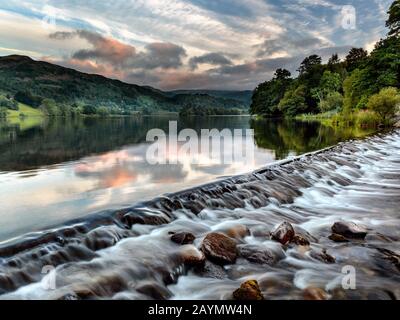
x: 290, y: 44
x: 121, y: 55
x: 171, y: 44
x: 159, y: 55
x: 212, y: 58
x: 104, y: 49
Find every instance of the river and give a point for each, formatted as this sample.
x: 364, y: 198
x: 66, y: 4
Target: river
x: 78, y: 196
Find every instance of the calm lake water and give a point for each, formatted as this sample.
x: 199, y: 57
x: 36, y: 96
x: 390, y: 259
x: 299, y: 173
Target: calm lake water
x: 54, y: 171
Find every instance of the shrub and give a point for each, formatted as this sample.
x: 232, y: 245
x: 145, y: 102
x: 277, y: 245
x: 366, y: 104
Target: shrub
x: 385, y: 103
x: 333, y: 101
x: 3, y: 112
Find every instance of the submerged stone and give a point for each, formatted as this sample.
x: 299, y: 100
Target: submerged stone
x: 183, y: 238
x: 349, y: 230
x: 312, y: 293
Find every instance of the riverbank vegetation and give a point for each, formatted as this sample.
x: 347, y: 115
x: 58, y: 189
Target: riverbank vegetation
x: 362, y: 89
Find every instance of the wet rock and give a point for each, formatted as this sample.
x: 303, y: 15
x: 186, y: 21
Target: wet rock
x: 284, y: 233
x: 238, y: 231
x: 391, y: 256
x: 349, y: 230
x: 210, y: 270
x: 312, y: 293
x: 61, y: 240
x: 192, y: 256
x: 183, y: 238
x: 248, y: 290
x: 154, y: 291
x: 338, y: 238
x: 257, y: 254
x: 323, y: 256
x: 219, y: 248
x: 300, y: 240
x: 132, y: 218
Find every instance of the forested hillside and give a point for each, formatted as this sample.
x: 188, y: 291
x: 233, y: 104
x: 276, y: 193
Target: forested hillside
x: 59, y: 91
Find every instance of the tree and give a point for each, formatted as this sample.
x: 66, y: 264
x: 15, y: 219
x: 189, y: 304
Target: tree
x: 8, y: 103
x: 266, y: 96
x: 356, y: 91
x: 294, y: 101
x: 385, y: 103
x: 103, y: 112
x: 393, y: 22
x: 308, y: 63
x: 89, y: 109
x: 333, y: 60
x: 28, y: 98
x: 3, y: 112
x: 282, y: 74
x: 330, y: 82
x: 49, y: 107
x: 333, y: 101
x: 355, y: 57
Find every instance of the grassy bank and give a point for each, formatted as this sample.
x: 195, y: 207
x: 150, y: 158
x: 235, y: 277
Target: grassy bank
x: 361, y: 119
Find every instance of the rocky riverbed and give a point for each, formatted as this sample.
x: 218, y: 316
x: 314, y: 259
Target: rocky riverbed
x: 292, y: 230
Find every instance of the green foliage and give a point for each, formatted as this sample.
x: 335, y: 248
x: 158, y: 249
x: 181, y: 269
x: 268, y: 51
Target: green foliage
x: 330, y: 82
x: 49, y: 107
x: 267, y: 95
x: 385, y: 103
x: 352, y: 91
x: 208, y: 111
x: 355, y: 57
x: 8, y: 103
x: 294, y: 101
x: 308, y: 64
x: 3, y: 112
x: 103, y: 112
x: 28, y: 98
x: 332, y: 101
x: 89, y: 109
x: 393, y: 22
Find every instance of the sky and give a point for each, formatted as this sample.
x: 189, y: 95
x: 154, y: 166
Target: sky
x: 188, y: 44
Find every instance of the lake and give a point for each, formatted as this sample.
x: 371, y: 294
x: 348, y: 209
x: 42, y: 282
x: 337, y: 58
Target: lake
x: 56, y: 170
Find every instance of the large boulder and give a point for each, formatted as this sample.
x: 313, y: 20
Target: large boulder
x: 349, y: 230
x: 284, y: 233
x: 219, y: 248
x: 248, y: 290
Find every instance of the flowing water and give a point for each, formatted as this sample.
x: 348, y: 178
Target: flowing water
x: 128, y: 254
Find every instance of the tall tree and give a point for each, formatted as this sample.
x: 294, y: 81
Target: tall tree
x: 355, y: 57
x: 267, y: 95
x: 334, y: 59
x: 308, y: 63
x: 393, y: 22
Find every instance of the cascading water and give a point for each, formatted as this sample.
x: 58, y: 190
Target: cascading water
x: 128, y: 254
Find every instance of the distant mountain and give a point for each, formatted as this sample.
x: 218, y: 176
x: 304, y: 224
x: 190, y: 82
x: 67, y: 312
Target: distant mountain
x: 244, y: 96
x: 21, y: 76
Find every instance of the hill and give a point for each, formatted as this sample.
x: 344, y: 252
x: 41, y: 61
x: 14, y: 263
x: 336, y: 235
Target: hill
x: 31, y: 82
x: 244, y: 96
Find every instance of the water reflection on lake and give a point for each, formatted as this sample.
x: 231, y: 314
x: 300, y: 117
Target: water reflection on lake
x: 57, y: 170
